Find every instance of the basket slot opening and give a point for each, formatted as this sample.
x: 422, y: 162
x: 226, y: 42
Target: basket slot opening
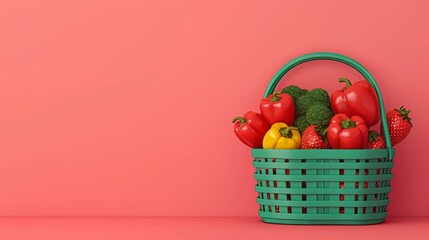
x: 312, y: 185
x: 304, y: 185
x: 365, y: 185
x: 378, y: 169
x: 267, y: 182
x: 260, y: 183
x: 381, y: 184
x: 356, y: 186
x: 373, y: 185
x: 384, y: 183
x: 276, y: 197
x: 341, y: 171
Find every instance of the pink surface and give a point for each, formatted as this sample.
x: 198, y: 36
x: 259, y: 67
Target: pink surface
x: 201, y: 228
x: 124, y: 108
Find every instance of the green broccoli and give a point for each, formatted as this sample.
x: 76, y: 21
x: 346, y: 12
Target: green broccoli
x: 313, y: 97
x: 294, y: 91
x: 301, y: 123
x: 302, y: 105
x: 320, y: 95
x: 319, y: 115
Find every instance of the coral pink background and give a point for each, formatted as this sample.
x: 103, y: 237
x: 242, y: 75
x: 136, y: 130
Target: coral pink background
x: 124, y: 108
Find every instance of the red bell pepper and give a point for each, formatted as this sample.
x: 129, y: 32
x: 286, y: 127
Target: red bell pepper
x: 251, y: 129
x: 347, y: 133
x: 278, y: 107
x: 357, y: 99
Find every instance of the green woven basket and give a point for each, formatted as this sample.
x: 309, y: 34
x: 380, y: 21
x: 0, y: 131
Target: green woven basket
x: 328, y: 186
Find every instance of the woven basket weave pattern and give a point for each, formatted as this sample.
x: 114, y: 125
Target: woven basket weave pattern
x: 323, y: 189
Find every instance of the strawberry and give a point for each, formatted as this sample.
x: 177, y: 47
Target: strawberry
x: 399, y: 124
x: 375, y: 140
x: 312, y: 138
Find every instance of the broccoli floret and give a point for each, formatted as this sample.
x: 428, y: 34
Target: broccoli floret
x: 301, y: 123
x: 320, y: 95
x: 294, y: 91
x: 303, y: 104
x: 319, y: 115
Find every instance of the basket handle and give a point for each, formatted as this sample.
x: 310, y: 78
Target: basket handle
x: 337, y: 58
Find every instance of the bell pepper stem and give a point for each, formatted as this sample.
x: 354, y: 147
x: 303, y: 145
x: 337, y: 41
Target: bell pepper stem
x: 345, y: 80
x: 275, y: 97
x: 287, y: 131
x: 241, y: 119
x: 348, y: 123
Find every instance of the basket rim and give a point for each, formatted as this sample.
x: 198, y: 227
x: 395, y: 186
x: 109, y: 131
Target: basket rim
x: 355, y: 154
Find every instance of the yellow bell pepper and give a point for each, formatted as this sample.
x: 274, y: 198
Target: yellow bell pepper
x: 280, y: 136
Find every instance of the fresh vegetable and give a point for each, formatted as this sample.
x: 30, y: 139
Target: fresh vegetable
x: 347, y: 133
x: 302, y: 105
x: 278, y: 107
x: 320, y: 95
x: 319, y: 115
x: 313, y: 139
x: 250, y: 129
x: 357, y: 99
x: 399, y: 123
x: 281, y: 136
x: 301, y: 123
x: 294, y: 91
x: 313, y: 97
x: 375, y: 140
x: 316, y: 112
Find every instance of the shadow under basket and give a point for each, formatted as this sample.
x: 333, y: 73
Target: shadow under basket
x: 314, y: 187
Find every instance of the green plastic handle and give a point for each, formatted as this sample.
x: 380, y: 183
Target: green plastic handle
x: 338, y: 58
